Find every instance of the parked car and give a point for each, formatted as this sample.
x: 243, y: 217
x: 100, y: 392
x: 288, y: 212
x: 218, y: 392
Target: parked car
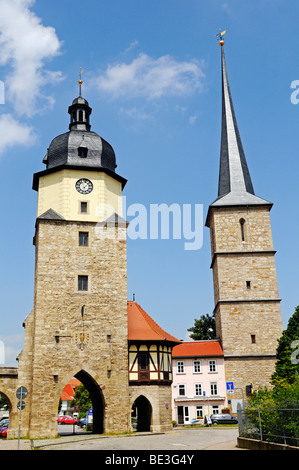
x: 223, y: 419
x: 3, y: 427
x: 82, y: 422
x: 66, y: 420
x: 3, y: 422
x: 3, y: 431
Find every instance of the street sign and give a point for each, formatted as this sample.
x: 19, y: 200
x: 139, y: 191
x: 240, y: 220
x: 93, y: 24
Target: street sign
x: 90, y: 416
x: 230, y: 387
x: 21, y: 405
x: 22, y: 393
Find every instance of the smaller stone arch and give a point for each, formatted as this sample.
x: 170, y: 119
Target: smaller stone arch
x: 7, y: 399
x: 97, y: 398
x: 144, y: 413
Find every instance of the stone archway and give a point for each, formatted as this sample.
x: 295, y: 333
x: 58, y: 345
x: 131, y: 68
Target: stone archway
x: 143, y: 413
x: 97, y: 399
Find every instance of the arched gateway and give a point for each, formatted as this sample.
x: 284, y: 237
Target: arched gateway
x: 79, y: 322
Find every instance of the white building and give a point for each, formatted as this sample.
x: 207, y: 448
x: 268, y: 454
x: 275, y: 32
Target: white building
x: 199, y: 387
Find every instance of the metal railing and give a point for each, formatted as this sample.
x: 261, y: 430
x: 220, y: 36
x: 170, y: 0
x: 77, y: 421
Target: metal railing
x: 278, y: 425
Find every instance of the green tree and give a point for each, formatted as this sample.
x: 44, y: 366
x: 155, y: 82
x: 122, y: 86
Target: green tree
x: 82, y: 399
x: 204, y: 328
x: 287, y: 364
x: 278, y: 411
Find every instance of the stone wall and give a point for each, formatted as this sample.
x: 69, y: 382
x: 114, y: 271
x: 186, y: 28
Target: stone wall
x: 247, y: 304
x: 59, y: 342
x: 160, y: 399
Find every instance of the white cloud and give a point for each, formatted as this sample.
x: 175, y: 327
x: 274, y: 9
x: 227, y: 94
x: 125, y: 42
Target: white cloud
x: 12, y: 345
x: 14, y: 133
x: 151, y: 78
x: 25, y: 46
x: 192, y: 119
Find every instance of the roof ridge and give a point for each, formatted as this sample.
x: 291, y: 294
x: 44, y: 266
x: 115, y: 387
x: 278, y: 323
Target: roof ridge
x: 145, y: 315
x: 164, y: 335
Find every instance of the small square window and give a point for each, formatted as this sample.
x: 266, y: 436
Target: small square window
x: 83, y: 238
x: 83, y: 283
x: 83, y: 207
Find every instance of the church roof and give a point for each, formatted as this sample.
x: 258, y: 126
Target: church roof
x: 198, y: 349
x: 235, y: 185
x: 141, y: 327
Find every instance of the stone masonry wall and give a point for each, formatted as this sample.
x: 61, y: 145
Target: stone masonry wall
x: 60, y: 343
x: 160, y: 400
x: 247, y: 306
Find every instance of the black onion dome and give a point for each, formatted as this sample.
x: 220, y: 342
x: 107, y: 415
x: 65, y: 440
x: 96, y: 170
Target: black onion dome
x: 80, y: 146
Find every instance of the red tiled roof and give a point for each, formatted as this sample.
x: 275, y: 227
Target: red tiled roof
x: 67, y: 393
x: 198, y: 348
x: 142, y: 327
x: 74, y: 382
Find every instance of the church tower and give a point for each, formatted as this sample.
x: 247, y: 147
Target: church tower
x: 78, y: 325
x: 247, y: 304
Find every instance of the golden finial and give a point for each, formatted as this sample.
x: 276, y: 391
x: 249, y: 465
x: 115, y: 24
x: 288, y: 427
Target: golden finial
x: 80, y: 80
x: 220, y: 37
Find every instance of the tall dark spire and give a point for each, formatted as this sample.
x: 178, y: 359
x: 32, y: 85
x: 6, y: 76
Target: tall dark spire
x: 235, y: 185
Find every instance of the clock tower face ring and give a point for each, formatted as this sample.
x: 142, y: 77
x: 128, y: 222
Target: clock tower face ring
x: 84, y: 186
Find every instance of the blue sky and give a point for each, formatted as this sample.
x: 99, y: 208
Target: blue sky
x: 152, y: 77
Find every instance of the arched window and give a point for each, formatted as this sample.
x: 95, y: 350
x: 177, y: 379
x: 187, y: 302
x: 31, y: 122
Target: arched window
x: 80, y: 115
x: 242, y: 226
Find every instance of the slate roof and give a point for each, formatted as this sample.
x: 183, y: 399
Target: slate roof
x: 50, y: 214
x: 64, y: 150
x: 235, y: 186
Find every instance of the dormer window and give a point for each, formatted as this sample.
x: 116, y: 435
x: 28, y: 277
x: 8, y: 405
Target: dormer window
x: 82, y: 149
x: 82, y: 152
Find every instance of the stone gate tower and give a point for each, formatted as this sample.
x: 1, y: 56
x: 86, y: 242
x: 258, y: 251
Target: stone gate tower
x: 78, y: 326
x: 247, y: 304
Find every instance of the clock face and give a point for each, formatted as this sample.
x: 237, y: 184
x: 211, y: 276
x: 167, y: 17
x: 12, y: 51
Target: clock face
x: 84, y: 186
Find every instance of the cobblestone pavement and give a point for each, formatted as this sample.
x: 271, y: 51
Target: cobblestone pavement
x: 182, y: 439
x: 194, y: 439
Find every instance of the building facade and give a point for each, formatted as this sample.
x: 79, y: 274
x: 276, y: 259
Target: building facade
x: 199, y: 387
x: 150, y: 371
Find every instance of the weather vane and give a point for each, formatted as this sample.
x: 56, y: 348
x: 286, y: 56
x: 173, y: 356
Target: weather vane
x: 219, y: 36
x: 80, y: 80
